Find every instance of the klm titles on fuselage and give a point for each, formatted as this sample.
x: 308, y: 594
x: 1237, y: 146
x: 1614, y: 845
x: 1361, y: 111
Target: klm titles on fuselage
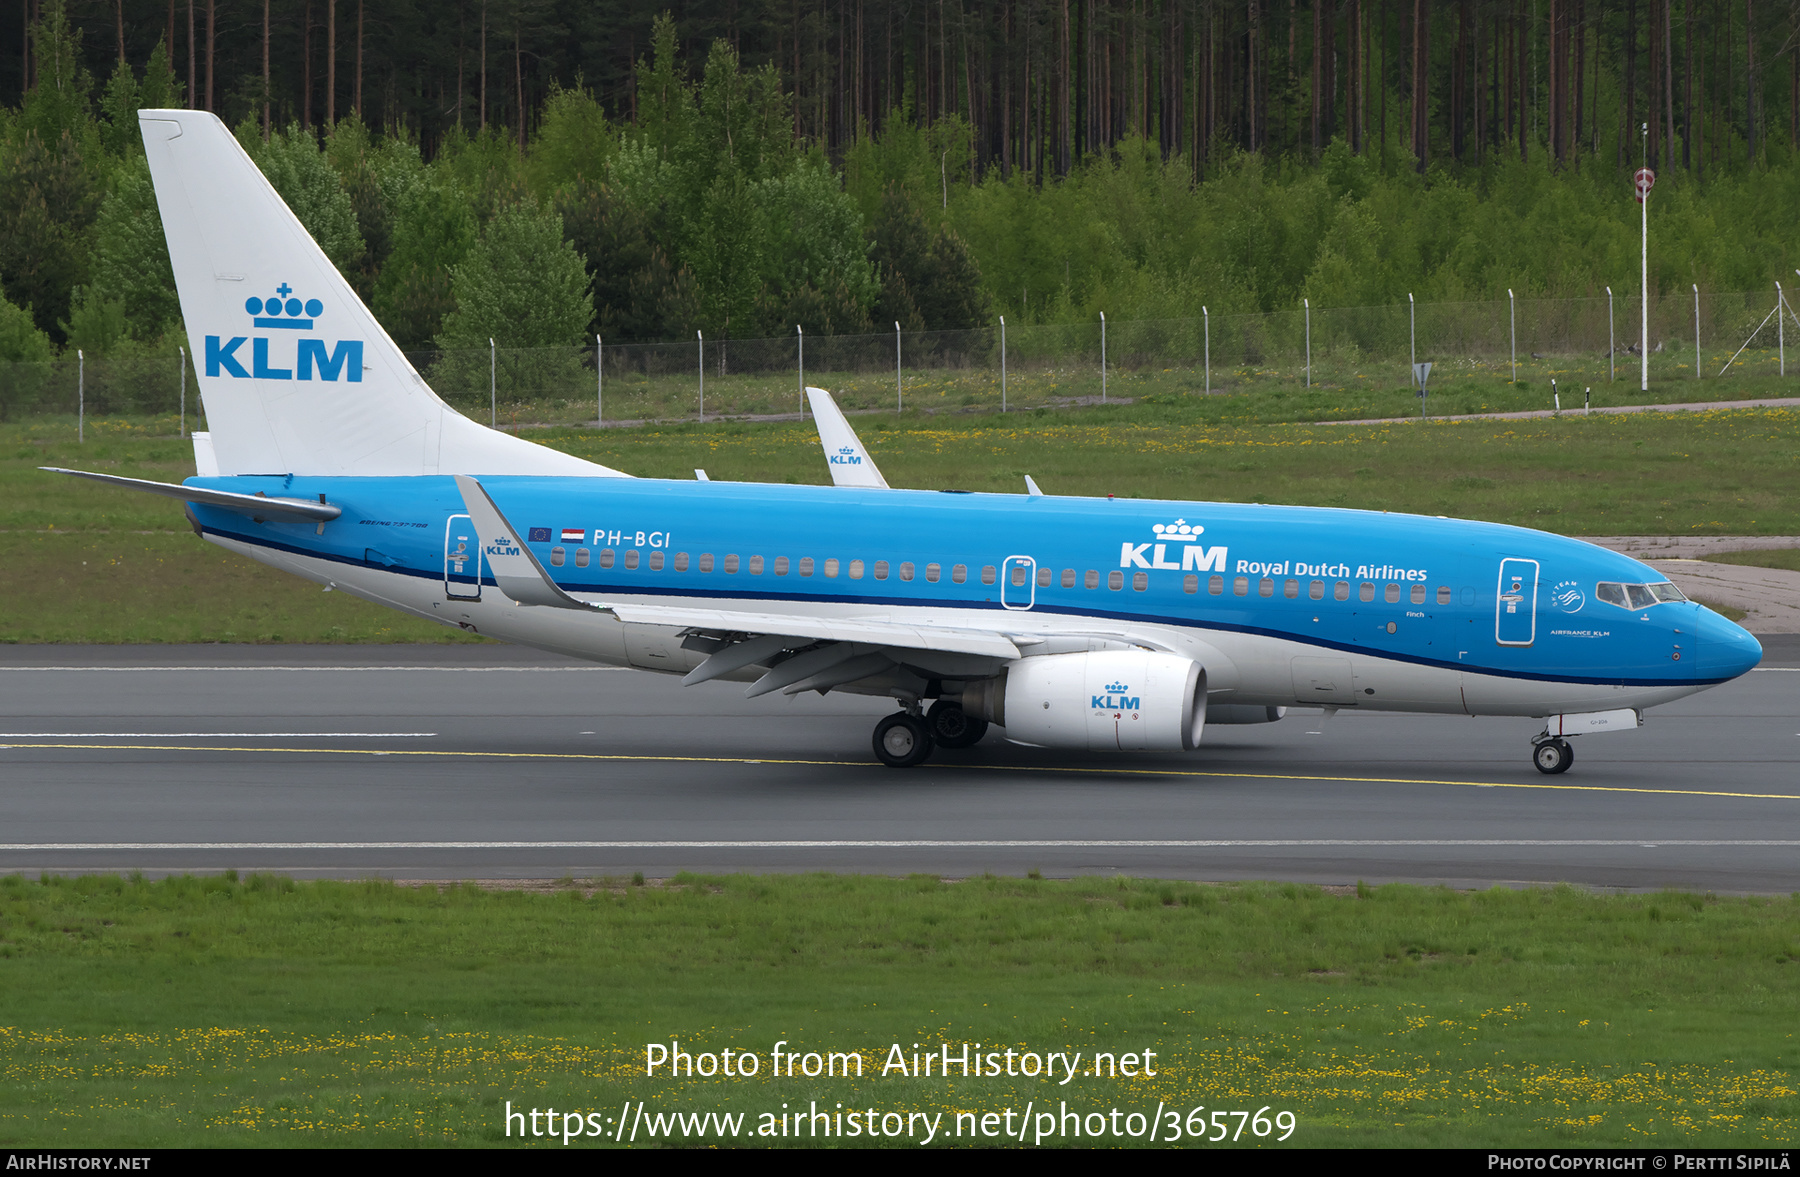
x: 283, y: 312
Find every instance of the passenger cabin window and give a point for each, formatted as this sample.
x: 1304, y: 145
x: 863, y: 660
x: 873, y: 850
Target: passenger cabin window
x: 831, y: 567
x: 1215, y: 585
x: 1043, y: 578
x: 881, y: 570
x: 606, y: 557
x: 756, y: 565
x: 557, y: 555
x: 1418, y: 594
x: 960, y: 573
x: 1068, y: 578
x: 681, y: 561
x: 1265, y: 587
x: 581, y: 557
x: 1092, y: 580
x: 856, y: 570
x: 934, y: 572
x: 1115, y: 580
x: 1316, y: 590
x: 1391, y: 594
x: 1291, y: 589
x: 987, y: 574
x: 781, y: 566
x: 806, y: 566
x: 656, y: 561
x: 1365, y: 591
x: 1240, y: 587
x: 906, y: 571
x: 631, y: 558
x: 1341, y: 590
x: 706, y: 561
x: 1018, y: 575
x: 1443, y: 594
x: 1190, y: 583
x: 1140, y: 581
x: 731, y: 563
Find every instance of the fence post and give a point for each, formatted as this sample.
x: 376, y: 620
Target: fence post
x: 1102, y: 357
x: 183, y: 351
x: 1780, y: 328
x: 599, y: 382
x: 1612, y: 343
x: 1003, y: 363
x: 80, y: 396
x: 1206, y: 319
x: 1307, y: 303
x: 800, y: 343
x: 899, y: 389
x: 493, y: 389
x: 1412, y: 313
x: 701, y: 338
x: 1697, y: 330
x: 1512, y: 319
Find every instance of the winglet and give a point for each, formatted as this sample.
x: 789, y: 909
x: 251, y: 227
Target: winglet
x: 849, y: 459
x: 517, y: 572
x: 1031, y: 487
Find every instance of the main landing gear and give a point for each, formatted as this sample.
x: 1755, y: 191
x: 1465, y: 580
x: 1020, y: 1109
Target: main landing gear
x: 904, y: 739
x: 1552, y: 756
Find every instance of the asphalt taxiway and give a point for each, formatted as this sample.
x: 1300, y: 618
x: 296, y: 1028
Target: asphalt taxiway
x: 492, y: 762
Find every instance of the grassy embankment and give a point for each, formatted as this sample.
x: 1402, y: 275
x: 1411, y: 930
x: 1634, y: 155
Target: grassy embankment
x: 1340, y: 390
x: 200, y: 1012
x: 88, y: 563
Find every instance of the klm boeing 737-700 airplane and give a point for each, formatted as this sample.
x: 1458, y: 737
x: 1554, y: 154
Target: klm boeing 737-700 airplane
x: 1103, y: 624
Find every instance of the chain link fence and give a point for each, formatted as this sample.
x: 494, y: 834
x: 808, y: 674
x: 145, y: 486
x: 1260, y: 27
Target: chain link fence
x: 1015, y: 366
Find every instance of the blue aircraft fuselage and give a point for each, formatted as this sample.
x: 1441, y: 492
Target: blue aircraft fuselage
x: 1431, y: 592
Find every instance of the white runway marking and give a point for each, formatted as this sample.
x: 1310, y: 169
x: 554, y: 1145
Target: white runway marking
x: 213, y: 735
x: 902, y: 844
x: 437, y: 669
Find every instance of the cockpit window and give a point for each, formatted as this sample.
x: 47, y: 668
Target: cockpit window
x: 1637, y: 596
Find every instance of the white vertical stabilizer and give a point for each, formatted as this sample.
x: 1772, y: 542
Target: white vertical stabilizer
x: 297, y: 375
x: 845, y: 453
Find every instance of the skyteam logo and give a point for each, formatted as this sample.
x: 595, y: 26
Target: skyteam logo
x: 284, y: 311
x: 1195, y: 556
x: 847, y: 456
x: 1116, y: 699
x: 1568, y: 597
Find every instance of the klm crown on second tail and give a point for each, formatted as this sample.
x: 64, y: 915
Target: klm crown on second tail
x: 286, y: 312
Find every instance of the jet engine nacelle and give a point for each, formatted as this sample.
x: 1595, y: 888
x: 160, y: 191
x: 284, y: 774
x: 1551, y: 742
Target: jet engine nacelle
x: 1112, y: 700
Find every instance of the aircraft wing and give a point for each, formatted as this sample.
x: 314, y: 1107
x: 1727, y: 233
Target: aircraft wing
x: 845, y: 453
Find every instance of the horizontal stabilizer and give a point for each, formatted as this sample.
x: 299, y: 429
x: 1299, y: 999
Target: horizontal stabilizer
x: 517, y: 572
x: 255, y: 505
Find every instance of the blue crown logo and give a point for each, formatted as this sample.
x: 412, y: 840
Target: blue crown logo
x: 847, y: 450
x: 284, y: 310
x: 1179, y: 530
x: 1117, y: 688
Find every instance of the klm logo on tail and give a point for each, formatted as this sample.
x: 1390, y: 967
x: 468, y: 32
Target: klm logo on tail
x: 846, y: 456
x: 283, y: 312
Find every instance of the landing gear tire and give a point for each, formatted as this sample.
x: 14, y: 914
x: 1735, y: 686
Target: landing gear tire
x: 952, y: 727
x: 1552, y: 757
x: 902, y: 740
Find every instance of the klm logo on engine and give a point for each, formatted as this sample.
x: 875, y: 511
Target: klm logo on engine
x: 1195, y: 556
x: 308, y: 360
x: 1116, y: 699
x: 845, y: 457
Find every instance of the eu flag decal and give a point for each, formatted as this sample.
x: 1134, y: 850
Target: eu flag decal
x: 539, y: 535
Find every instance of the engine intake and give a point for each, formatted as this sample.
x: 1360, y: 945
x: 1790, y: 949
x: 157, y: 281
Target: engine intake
x: 1113, y: 700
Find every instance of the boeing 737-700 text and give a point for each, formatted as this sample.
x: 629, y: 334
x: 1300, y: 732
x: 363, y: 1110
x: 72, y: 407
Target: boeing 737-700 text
x: 1106, y: 624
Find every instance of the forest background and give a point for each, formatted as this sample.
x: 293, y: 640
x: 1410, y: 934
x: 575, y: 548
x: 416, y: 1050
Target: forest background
x: 540, y: 172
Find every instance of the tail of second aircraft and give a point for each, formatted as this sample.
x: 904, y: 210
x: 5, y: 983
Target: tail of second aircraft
x: 297, y: 375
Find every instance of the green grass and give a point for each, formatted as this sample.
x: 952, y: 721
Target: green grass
x: 1788, y: 558
x: 146, y: 578
x: 265, y: 1012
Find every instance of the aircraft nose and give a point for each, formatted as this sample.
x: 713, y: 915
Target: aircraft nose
x: 1726, y: 650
